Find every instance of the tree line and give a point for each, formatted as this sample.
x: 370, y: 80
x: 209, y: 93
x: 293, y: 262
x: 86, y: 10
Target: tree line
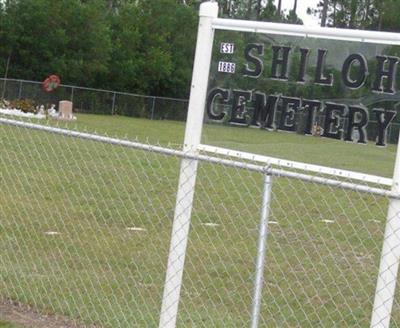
x: 142, y: 46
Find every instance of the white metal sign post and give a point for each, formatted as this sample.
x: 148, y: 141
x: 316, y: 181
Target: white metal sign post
x: 390, y: 258
x: 188, y: 172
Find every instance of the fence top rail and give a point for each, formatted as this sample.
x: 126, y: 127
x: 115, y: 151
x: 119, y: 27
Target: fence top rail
x: 267, y: 160
x: 194, y: 155
x: 100, y: 90
x: 307, y: 31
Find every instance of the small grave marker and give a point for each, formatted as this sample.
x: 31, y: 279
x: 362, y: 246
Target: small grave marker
x: 65, y: 110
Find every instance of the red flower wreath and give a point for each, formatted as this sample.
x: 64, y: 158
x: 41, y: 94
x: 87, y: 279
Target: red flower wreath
x: 51, y: 83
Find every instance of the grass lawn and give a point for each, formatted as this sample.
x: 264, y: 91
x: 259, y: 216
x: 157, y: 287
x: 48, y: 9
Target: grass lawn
x: 328, y: 152
x: 85, y: 229
x: 7, y: 325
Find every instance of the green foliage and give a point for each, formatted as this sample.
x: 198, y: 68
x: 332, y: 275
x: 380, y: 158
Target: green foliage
x: 26, y: 105
x: 379, y: 15
x: 65, y: 37
x: 258, y: 10
x: 153, y: 46
x: 140, y: 46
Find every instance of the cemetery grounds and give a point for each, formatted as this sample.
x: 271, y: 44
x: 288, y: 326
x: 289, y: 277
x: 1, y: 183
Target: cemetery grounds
x: 85, y: 228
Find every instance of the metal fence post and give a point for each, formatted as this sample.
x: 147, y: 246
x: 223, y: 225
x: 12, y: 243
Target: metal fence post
x: 113, y: 104
x: 20, y: 90
x: 72, y: 94
x: 188, y: 171
x: 390, y: 257
x: 152, y: 108
x: 261, y: 251
x: 4, y: 89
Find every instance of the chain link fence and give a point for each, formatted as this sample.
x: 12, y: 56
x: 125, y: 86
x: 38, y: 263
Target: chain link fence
x: 97, y: 101
x: 86, y: 225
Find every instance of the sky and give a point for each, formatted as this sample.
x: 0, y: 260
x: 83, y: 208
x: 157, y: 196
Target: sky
x: 302, y: 6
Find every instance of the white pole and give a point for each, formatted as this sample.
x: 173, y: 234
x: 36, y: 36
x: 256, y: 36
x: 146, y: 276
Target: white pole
x: 261, y: 252
x: 390, y: 257
x: 187, y: 178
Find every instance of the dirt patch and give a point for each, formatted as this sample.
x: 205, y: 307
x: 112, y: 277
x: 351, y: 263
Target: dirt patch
x: 26, y: 317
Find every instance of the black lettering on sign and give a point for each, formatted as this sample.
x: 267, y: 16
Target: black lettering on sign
x: 339, y: 121
x: 282, y: 61
x: 383, y: 119
x: 388, y: 74
x: 359, y: 80
x: 264, y: 110
x: 319, y: 74
x: 290, y: 107
x: 310, y: 107
x: 212, y: 95
x: 239, y: 111
x: 358, y: 119
x: 303, y: 64
x: 333, y: 114
x: 257, y: 62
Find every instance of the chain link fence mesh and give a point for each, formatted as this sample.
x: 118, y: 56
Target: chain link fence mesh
x: 85, y: 230
x: 97, y: 101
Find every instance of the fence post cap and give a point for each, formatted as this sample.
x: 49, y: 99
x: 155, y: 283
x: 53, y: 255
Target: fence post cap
x: 209, y: 9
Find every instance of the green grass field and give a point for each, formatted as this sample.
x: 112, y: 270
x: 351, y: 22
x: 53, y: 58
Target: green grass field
x: 7, y: 325
x: 66, y: 204
x: 365, y: 158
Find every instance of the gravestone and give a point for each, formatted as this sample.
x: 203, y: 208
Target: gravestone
x: 65, y: 110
